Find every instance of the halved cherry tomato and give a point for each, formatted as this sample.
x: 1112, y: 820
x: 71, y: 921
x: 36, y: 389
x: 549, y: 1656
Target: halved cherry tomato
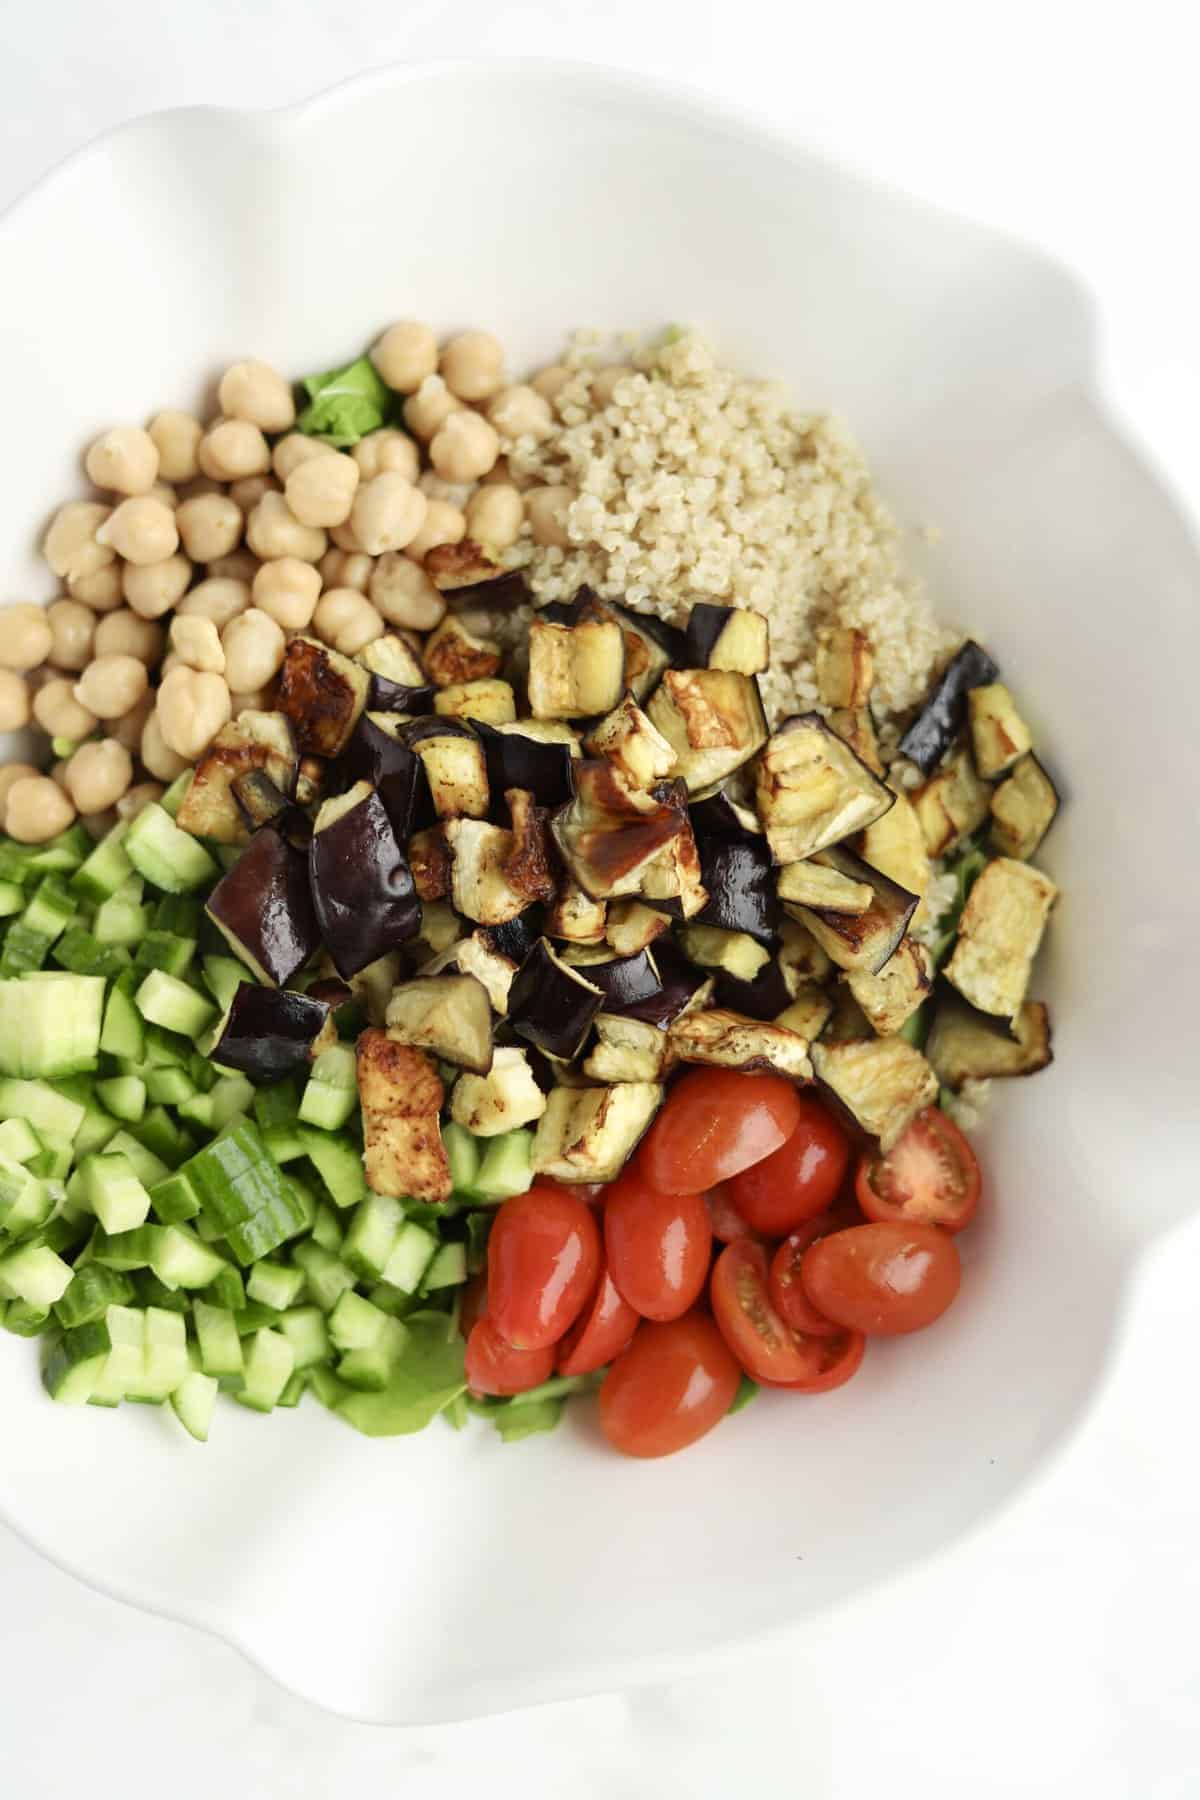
x: 543, y: 1259
x: 496, y: 1367
x: 602, y: 1330
x: 673, y: 1384
x: 883, y: 1278
x: 931, y: 1176
x: 726, y: 1221
x: 658, y: 1246
x: 798, y: 1180
x: 783, y: 1282
x: 715, y: 1123
x: 766, y: 1348
x: 474, y: 1303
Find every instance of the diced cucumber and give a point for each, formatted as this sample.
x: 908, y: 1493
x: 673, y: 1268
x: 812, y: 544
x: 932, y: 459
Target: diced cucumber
x: 50, y: 1024
x: 165, y: 1000
x: 174, y: 1200
x: 22, y: 1319
x: 274, y: 1284
x: 169, y: 1087
x: 197, y: 1109
x: 18, y: 1140
x: 92, y: 1291
x: 40, y: 1107
x: 23, y: 950
x: 98, y: 1129
x: 81, y: 953
x: 150, y: 1291
x: 66, y: 851
x: 326, y: 1276
x: 114, y: 1193
x: 169, y: 859
x: 506, y: 1168
x: 371, y: 1237
x: 277, y: 1105
x: 123, y: 1033
x: 448, y: 1268
x: 305, y: 1330
x: 228, y: 1289
x: 231, y: 1096
x: 120, y: 923
x: 50, y: 908
x: 53, y: 1161
x: 76, y: 1363
x: 254, y: 1316
x: 338, y: 1162
x: 106, y: 869
x: 176, y: 794
x: 193, y: 1402
x: 270, y: 1365
x: 217, y: 1336
x: 462, y: 1153
x: 34, y: 1274
x: 223, y: 976
x: 128, y: 1250
x: 331, y: 1094
x: 27, y: 1199
x: 180, y: 915
x: 326, y: 1228
x: 294, y: 1392
x: 354, y: 1324
x: 126, y: 1328
x: 166, y: 951
x: 369, y: 1369
x: 283, y: 1142
x: 12, y: 899
x: 166, y: 1365
x: 415, y: 1249
x: 124, y: 1096
x: 183, y: 1261
x: 149, y: 1168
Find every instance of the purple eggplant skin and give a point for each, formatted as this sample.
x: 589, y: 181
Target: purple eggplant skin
x: 625, y: 980
x: 499, y: 594
x: 362, y: 888
x: 706, y: 622
x: 763, y: 998
x: 394, y: 696
x: 264, y: 905
x: 435, y: 727
x: 516, y: 761
x: 740, y: 879
x: 371, y: 754
x: 516, y: 938
x: 268, y: 1032
x: 551, y: 1005
x: 679, y: 980
x: 945, y: 712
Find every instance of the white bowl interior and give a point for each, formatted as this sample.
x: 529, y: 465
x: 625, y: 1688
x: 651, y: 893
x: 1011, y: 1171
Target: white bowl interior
x: 429, y: 1579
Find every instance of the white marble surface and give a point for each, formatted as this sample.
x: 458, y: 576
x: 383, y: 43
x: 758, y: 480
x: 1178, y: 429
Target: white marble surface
x: 1055, y: 1653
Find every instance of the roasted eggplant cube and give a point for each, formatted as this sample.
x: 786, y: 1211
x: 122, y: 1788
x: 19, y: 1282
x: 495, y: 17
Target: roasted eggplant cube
x: 808, y: 1013
x: 944, y: 714
x: 449, y: 1015
x: 725, y: 1040
x: 855, y: 726
x: 964, y: 1045
x: 455, y: 769
x: 453, y: 654
x: 734, y: 952
x: 552, y: 1005
x: 812, y: 790
x: 392, y: 659
x: 863, y: 940
x: 378, y: 746
x: 999, y: 935
x: 1023, y: 809
x: 589, y: 1134
x: 504, y: 1099
x: 310, y: 780
x: 516, y: 757
x: 672, y: 881
x: 817, y: 883
x: 429, y: 860
x: 627, y: 1050
x: 625, y: 981
x: 900, y: 987
x: 363, y: 891
x: 651, y: 645
x: 323, y: 693
x: 401, y: 1096
x: 467, y: 564
x: 713, y: 719
x: 576, y: 917
x: 492, y: 701
x: 727, y: 637
x: 629, y: 740
x: 738, y: 876
x: 630, y: 927
x: 999, y: 735
x: 846, y: 1023
x: 611, y: 831
x: 258, y: 800
x: 253, y: 743
x: 845, y: 667
x: 952, y: 804
x: 263, y: 908
x: 575, y: 671
x: 269, y: 1032
x: 882, y: 1082
x: 529, y: 868
x: 479, y: 883
x: 764, y: 997
x: 476, y: 956
x: 895, y: 845
x: 800, y: 956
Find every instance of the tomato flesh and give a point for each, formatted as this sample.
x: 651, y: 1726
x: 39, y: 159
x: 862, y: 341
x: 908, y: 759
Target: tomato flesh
x: 930, y: 1177
x: 658, y: 1246
x: 882, y: 1278
x: 714, y: 1124
x: 543, y: 1260
x: 671, y: 1386
x: 767, y: 1349
x: 602, y: 1330
x: 496, y: 1367
x: 800, y: 1179
x: 783, y: 1280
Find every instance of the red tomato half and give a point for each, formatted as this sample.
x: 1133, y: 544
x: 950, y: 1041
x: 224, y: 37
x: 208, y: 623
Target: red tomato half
x: 543, y: 1259
x: 494, y: 1367
x: 786, y: 1289
x: 602, y: 1330
x: 727, y: 1222
x: 658, y: 1246
x: 715, y: 1123
x: 800, y: 1179
x: 673, y: 1384
x: 883, y: 1278
x: 474, y: 1303
x: 930, y: 1177
x: 766, y: 1348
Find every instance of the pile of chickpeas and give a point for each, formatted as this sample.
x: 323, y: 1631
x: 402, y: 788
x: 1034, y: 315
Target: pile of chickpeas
x: 210, y: 545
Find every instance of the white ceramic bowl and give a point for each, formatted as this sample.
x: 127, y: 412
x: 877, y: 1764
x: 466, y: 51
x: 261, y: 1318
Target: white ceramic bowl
x: 442, y: 1576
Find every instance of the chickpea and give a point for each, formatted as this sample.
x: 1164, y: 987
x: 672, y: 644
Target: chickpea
x: 550, y: 381
x: 176, y: 436
x: 137, y: 798
x: 472, y: 365
x: 255, y: 392
x: 210, y: 526
x: 14, y: 701
x: 141, y: 530
x: 346, y: 621
x: 426, y: 411
x: 521, y: 412
x: 198, y: 487
x: 546, y: 508
x: 196, y: 643
x: 444, y: 524
x: 72, y: 628
x: 60, y: 714
x: 162, y: 490
x: 343, y: 538
x: 254, y: 645
x: 288, y: 590
x: 495, y: 516
x: 434, y: 487
x: 321, y: 491
x: 606, y: 381
x: 26, y: 637
x: 111, y: 685
x: 155, y: 588
x: 129, y: 727
x: 247, y: 492
x: 239, y: 565
x: 10, y: 773
x: 98, y: 774
x: 387, y: 451
x: 274, y: 530
x: 102, y: 590
x: 124, y: 460
x: 503, y: 473
x: 71, y: 545
x: 125, y: 634
x: 192, y: 708
x: 295, y: 449
x: 387, y: 514
x: 37, y: 809
x: 231, y: 448
x: 344, y: 568
x: 465, y: 448
x: 405, y: 355
x: 219, y: 599
x: 257, y: 700
x: 403, y: 593
x: 172, y: 660
x: 157, y: 756
x: 58, y: 774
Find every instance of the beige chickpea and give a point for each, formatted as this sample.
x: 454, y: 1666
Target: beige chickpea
x: 387, y: 451
x: 9, y: 774
x: 154, y: 588
x: 387, y: 514
x: 176, y: 436
x: 72, y: 629
x: 465, y: 448
x: 436, y: 487
x: 294, y: 449
x: 37, y: 809
x: 256, y: 700
x: 71, y: 545
x: 343, y: 538
x: 405, y: 355
x: 136, y: 799
x: 124, y: 633
x: 550, y: 381
x: 172, y: 660
x: 253, y: 644
x: 546, y: 509
x: 346, y: 621
x: 162, y: 490
x: 402, y: 592
x: 14, y: 701
x: 274, y: 530
x: 192, y: 708
x: 99, y: 824
x: 503, y: 473
x: 426, y: 411
x: 521, y: 412
x: 123, y: 460
x: 26, y: 637
x: 344, y: 568
x: 606, y: 381
x: 444, y: 524
x: 98, y: 774
x: 198, y: 487
x: 210, y: 526
x: 197, y: 643
x: 495, y: 516
x: 321, y: 491
x: 128, y: 728
x: 239, y: 565
x: 60, y: 714
x: 287, y: 590
x: 247, y: 492
x: 472, y: 365
x: 257, y: 393
x: 142, y: 530
x: 111, y: 685
x: 232, y: 448
x: 219, y: 599
x: 157, y: 756
x: 103, y: 589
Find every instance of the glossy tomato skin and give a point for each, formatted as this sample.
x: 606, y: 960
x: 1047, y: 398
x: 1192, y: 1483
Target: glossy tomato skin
x: 658, y: 1246
x: 543, y: 1260
x: 669, y: 1388
x: 496, y: 1367
x: 883, y: 1278
x: 800, y: 1179
x: 930, y: 1177
x: 726, y: 1221
x: 783, y: 1280
x: 473, y: 1305
x: 603, y: 1329
x: 768, y: 1350
x: 715, y: 1123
